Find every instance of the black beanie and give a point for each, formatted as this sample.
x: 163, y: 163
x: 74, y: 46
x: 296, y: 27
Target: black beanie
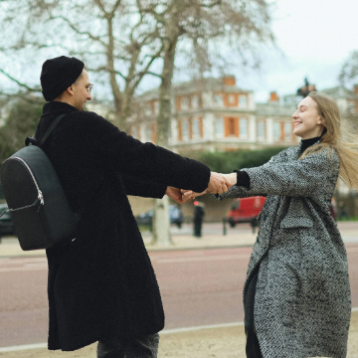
x: 58, y: 74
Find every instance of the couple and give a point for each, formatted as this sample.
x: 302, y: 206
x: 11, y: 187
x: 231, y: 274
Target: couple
x: 103, y: 287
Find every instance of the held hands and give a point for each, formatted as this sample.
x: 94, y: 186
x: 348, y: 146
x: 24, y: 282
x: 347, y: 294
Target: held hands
x: 218, y: 184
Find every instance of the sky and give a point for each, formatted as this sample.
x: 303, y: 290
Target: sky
x: 314, y: 38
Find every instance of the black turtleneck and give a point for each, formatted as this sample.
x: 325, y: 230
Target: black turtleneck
x: 243, y: 178
x: 308, y: 142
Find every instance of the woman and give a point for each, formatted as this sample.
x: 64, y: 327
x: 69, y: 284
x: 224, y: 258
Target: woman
x: 297, y: 294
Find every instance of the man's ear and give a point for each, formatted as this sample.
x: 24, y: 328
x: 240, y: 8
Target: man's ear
x: 70, y: 90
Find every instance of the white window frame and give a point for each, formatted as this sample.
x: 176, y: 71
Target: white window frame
x: 243, y: 124
x: 196, y: 126
x: 261, y: 130
x: 242, y: 101
x: 184, y: 103
x: 287, y: 129
x: 231, y: 99
x: 148, y: 129
x: 222, y: 125
x: 195, y: 101
x: 185, y: 130
x: 276, y: 126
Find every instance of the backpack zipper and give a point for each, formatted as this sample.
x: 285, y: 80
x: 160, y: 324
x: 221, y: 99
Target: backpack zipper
x: 39, y: 192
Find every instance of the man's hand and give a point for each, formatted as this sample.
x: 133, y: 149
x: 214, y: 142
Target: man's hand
x: 175, y: 194
x: 189, y: 195
x: 218, y: 184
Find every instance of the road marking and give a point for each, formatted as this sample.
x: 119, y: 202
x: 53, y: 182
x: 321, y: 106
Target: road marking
x: 23, y: 348
x: 201, y: 258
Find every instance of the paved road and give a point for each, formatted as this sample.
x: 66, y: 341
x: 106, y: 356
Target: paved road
x: 199, y: 287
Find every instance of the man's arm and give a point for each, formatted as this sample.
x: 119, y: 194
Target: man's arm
x: 146, y: 161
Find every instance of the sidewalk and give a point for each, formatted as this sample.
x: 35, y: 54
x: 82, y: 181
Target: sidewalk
x: 228, y: 342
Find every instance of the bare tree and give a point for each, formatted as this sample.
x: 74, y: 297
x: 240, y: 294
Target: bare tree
x: 111, y: 36
x: 124, y: 38
x: 203, y: 24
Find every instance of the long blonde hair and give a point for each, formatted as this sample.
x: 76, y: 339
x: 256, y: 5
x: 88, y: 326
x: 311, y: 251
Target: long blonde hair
x: 338, y: 136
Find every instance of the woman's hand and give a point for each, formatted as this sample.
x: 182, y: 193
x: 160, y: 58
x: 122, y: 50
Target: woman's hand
x: 231, y: 178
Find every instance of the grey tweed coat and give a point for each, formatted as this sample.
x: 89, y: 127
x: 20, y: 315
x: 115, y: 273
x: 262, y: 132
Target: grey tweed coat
x: 302, y: 304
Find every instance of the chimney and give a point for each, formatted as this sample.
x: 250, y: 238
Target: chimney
x: 355, y: 88
x: 229, y: 80
x: 273, y: 97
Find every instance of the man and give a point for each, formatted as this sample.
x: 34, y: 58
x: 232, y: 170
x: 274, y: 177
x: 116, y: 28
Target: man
x: 199, y: 214
x: 102, y: 286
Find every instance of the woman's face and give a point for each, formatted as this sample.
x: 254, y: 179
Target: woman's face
x: 306, y: 120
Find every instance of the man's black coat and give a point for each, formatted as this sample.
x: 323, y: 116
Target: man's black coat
x: 104, y: 284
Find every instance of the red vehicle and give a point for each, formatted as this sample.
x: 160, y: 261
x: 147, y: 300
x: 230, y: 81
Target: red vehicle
x: 246, y: 210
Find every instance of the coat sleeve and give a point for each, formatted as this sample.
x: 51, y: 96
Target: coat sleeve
x: 145, y: 161
x: 145, y: 189
x: 242, y: 192
x: 312, y: 176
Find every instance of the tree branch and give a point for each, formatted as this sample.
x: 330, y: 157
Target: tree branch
x: 23, y: 85
x: 74, y: 28
x: 106, y: 69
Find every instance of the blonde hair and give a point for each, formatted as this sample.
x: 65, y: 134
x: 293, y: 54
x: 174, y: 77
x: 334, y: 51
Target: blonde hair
x: 338, y: 136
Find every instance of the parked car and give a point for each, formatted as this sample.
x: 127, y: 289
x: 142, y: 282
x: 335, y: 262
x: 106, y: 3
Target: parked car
x: 175, y: 214
x: 6, y: 224
x: 246, y: 210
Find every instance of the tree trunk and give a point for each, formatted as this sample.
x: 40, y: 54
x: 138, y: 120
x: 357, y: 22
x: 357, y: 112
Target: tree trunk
x: 161, y: 219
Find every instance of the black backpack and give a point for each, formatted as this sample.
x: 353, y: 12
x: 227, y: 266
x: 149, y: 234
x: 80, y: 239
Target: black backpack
x: 37, y: 202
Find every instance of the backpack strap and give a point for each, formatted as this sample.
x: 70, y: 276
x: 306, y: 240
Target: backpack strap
x: 51, y: 128
x: 34, y: 141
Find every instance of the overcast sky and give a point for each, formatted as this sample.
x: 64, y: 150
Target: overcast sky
x: 315, y: 36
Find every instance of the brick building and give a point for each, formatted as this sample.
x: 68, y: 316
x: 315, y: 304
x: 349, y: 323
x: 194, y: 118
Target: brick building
x: 216, y: 114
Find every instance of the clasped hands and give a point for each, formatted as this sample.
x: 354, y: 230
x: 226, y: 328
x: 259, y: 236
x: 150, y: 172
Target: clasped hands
x: 218, y: 184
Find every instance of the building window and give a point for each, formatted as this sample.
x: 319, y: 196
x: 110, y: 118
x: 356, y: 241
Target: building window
x: 195, y: 102
x: 219, y: 127
x: 184, y: 103
x: 243, y: 127
x: 231, y: 99
x: 231, y: 127
x: 148, y: 133
x: 288, y: 131
x: 242, y: 101
x: 196, y: 127
x: 218, y: 99
x: 276, y: 131
x: 261, y: 130
x: 134, y: 132
x: 185, y: 128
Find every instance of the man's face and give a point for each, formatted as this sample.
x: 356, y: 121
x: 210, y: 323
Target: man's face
x: 82, y: 91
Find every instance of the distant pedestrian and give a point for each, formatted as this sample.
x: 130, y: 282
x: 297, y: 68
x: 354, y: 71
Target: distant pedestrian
x: 297, y: 296
x: 199, y: 214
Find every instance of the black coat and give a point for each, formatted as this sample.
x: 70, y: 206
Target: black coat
x: 104, y: 284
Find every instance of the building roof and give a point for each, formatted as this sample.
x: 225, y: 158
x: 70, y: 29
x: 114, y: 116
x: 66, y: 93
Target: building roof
x: 340, y: 92
x: 194, y: 86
